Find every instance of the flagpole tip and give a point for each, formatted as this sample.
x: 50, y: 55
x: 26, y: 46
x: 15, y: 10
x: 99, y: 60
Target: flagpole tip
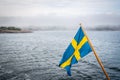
x: 80, y: 24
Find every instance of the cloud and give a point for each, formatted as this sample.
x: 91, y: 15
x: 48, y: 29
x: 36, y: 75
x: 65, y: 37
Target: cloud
x: 63, y: 7
x: 59, y: 12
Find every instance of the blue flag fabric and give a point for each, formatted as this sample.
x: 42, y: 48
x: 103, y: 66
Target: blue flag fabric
x: 78, y: 48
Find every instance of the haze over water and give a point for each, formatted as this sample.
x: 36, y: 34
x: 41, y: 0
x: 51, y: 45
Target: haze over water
x: 35, y: 56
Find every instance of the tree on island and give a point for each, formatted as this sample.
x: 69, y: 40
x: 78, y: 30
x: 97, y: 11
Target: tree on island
x: 9, y: 28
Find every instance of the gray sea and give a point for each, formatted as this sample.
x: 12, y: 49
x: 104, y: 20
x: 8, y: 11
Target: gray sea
x: 35, y: 56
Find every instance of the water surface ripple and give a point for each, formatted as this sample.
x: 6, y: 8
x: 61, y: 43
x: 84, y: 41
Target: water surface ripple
x: 35, y: 56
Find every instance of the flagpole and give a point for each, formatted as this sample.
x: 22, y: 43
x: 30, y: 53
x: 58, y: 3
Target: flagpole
x: 98, y: 59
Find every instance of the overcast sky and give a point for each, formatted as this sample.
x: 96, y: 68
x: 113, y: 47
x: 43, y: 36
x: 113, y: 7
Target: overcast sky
x: 59, y: 12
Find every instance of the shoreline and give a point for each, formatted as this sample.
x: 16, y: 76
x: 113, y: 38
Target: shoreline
x: 15, y: 31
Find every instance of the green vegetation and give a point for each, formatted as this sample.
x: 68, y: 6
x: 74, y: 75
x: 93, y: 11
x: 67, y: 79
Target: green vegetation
x: 9, y: 28
x: 12, y: 29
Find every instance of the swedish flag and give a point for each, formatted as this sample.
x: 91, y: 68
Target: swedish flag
x: 78, y: 48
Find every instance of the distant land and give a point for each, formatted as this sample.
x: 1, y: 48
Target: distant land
x: 95, y: 28
x: 105, y: 28
x: 12, y: 29
x: 29, y: 29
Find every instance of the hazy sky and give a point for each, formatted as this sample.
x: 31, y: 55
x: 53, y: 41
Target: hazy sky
x: 59, y: 12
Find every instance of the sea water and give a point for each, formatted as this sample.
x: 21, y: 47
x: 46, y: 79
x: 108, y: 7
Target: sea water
x: 36, y: 56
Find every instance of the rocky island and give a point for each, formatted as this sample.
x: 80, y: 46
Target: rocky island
x: 12, y: 29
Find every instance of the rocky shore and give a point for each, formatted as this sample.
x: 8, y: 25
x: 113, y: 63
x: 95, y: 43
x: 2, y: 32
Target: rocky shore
x: 15, y: 31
